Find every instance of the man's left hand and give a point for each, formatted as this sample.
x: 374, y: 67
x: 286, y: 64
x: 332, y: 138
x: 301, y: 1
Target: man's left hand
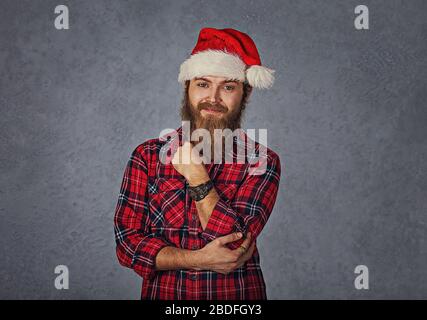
x: 189, y: 163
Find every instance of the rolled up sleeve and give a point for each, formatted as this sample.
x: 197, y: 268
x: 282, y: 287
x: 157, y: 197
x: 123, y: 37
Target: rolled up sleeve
x: 250, y: 208
x: 136, y: 246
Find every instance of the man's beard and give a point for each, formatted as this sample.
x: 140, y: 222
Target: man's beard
x: 230, y: 120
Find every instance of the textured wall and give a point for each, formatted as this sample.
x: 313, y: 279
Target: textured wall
x: 347, y: 115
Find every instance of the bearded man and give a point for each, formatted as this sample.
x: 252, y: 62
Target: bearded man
x: 188, y: 226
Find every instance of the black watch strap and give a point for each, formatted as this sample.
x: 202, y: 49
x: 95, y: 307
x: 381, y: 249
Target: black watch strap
x: 199, y: 192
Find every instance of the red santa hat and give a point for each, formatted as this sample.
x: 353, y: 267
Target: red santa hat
x: 226, y: 53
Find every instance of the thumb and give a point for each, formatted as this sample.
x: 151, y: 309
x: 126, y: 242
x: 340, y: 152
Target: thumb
x: 230, y: 238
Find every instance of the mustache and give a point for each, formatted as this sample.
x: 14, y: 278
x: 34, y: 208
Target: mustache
x: 215, y: 107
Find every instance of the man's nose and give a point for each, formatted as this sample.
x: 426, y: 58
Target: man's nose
x: 214, y: 95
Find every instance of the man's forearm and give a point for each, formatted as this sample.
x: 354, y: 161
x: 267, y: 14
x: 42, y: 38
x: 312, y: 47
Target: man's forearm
x: 172, y: 258
x: 205, y: 207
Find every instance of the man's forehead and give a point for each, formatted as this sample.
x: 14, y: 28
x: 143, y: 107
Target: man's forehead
x: 216, y: 79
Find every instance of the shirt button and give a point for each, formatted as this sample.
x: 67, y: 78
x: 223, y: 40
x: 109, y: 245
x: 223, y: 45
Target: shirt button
x: 194, y: 247
x: 194, y: 217
x: 193, y: 276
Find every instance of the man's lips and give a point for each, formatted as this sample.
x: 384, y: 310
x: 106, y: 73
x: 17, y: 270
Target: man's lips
x: 212, y: 111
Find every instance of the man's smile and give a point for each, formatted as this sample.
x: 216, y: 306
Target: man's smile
x: 212, y: 111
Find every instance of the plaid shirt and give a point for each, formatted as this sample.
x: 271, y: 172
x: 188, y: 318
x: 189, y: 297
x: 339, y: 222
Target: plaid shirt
x: 154, y: 210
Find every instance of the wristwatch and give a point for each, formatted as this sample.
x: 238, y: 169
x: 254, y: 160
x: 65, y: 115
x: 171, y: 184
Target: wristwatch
x: 199, y: 192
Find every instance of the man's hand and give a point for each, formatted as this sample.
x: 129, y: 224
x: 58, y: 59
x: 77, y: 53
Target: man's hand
x: 189, y: 163
x: 217, y: 257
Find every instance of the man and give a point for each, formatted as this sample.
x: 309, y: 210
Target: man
x: 189, y: 225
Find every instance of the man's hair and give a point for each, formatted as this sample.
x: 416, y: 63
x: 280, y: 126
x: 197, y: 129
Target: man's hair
x: 245, y: 98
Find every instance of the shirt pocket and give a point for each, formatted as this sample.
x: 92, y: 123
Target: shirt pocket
x: 167, y: 203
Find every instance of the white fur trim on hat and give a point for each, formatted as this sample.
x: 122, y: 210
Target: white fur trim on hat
x: 212, y: 63
x: 224, y: 64
x: 260, y: 77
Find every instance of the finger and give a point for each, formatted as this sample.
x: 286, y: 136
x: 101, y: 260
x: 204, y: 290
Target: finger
x: 230, y: 238
x: 251, y: 248
x: 248, y: 253
x: 176, y: 155
x: 247, y: 240
x: 244, y: 247
x: 187, y: 144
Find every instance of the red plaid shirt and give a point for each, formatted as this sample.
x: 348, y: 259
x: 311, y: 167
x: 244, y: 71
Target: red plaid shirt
x: 154, y: 210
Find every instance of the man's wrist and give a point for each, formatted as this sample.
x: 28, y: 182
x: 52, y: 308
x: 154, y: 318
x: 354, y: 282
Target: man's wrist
x: 197, y: 260
x: 198, y: 178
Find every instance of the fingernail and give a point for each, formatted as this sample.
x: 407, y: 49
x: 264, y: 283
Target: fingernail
x: 239, y: 234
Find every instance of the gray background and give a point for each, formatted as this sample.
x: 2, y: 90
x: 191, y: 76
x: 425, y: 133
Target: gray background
x: 346, y: 115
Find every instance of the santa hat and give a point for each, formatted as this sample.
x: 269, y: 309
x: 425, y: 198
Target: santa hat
x: 226, y: 53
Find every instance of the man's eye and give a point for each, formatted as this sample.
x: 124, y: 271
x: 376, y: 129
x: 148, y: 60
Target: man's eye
x: 202, y: 84
x: 229, y: 88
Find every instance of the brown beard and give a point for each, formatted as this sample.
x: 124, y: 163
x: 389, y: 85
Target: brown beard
x: 231, y: 120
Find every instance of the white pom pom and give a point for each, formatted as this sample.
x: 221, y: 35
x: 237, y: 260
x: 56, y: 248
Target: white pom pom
x: 260, y: 77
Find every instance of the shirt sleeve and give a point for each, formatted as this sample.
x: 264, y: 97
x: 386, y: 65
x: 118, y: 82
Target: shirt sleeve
x: 136, y: 246
x: 250, y: 208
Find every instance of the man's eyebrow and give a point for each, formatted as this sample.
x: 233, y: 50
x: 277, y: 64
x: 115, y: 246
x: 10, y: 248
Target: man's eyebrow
x: 225, y: 81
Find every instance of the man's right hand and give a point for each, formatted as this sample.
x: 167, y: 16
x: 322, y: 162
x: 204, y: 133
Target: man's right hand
x: 216, y: 256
